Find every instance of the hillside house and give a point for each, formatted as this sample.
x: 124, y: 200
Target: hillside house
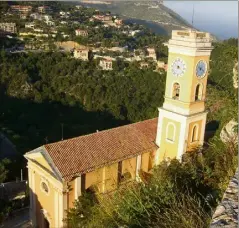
x: 161, y: 66
x: 152, y: 53
x: 36, y: 16
x: 21, y: 9
x: 44, y: 9
x: 30, y: 25
x: 80, y: 32
x: 144, y: 65
x: 81, y: 53
x: 106, y: 64
x: 103, y: 18
x: 118, y: 21
x: 8, y: 28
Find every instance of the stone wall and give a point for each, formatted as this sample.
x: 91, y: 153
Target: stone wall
x: 226, y: 213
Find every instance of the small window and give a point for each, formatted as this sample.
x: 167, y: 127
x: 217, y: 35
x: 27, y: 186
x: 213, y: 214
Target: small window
x: 170, y: 132
x: 176, y: 91
x: 195, y: 134
x: 198, y: 92
x: 44, y: 187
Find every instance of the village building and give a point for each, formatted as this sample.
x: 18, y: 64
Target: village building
x: 106, y: 64
x: 78, y: 7
x: 38, y: 30
x: 118, y: 21
x: 30, y: 25
x: 144, y: 65
x: 23, y: 16
x: 152, y: 53
x: 36, y: 16
x: 161, y: 65
x: 63, y: 22
x: 47, y: 17
x: 103, y: 18
x: 8, y: 28
x: 21, y: 9
x: 50, y: 23
x: 80, y: 32
x: 60, y: 172
x: 81, y: 53
x: 44, y: 9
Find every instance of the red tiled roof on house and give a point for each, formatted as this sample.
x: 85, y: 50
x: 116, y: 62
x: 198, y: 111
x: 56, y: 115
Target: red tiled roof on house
x: 86, y: 153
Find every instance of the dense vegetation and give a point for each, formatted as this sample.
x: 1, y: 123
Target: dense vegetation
x: 179, y: 195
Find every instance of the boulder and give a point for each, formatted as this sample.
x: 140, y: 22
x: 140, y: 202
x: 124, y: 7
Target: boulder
x: 229, y: 132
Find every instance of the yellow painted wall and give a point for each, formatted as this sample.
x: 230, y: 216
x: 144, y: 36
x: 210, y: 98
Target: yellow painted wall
x: 145, y: 162
x: 169, y: 149
x: 129, y: 165
x: 151, y: 160
x: 188, y: 81
x: 71, y: 194
x: 94, y: 178
x: 44, y: 200
x: 41, y: 160
x: 111, y: 175
x: 148, y: 161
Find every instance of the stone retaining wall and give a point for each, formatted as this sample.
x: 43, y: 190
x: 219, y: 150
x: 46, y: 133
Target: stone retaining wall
x: 226, y: 213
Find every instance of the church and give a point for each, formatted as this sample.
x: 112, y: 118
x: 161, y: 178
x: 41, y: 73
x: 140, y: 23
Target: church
x: 59, y: 172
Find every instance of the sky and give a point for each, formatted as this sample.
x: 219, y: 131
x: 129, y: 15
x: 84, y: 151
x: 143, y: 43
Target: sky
x: 217, y: 17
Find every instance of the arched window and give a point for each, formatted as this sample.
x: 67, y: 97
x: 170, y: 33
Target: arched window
x: 198, y: 92
x: 170, y: 132
x: 195, y: 134
x: 176, y: 91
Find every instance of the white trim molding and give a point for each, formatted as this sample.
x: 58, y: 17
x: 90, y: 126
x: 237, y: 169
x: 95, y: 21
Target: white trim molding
x: 61, y: 209
x: 138, y: 167
x: 77, y: 187
x: 56, y: 207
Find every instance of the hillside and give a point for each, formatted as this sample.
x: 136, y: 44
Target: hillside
x: 153, y: 14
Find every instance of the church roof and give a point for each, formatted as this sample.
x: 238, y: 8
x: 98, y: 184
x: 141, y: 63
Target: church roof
x: 85, y: 153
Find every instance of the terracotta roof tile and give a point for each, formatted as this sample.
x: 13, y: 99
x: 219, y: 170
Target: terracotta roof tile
x: 85, y: 153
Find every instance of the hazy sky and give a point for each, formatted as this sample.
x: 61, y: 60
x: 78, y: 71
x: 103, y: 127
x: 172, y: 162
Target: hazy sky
x: 217, y: 17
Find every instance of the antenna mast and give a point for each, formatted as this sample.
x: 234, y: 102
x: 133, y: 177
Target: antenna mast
x: 193, y: 14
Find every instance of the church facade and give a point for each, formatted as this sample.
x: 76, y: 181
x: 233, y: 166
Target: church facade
x: 59, y: 172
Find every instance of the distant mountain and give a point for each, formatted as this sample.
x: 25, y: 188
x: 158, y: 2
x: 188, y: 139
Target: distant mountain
x: 153, y: 14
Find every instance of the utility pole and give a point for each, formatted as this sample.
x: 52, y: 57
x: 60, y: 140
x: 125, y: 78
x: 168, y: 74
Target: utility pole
x: 21, y: 175
x: 62, y: 132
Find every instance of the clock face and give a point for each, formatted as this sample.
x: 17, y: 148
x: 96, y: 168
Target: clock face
x: 201, y: 69
x: 178, y: 67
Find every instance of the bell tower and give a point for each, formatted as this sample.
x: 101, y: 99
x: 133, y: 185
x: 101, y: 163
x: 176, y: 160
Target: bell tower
x: 182, y: 119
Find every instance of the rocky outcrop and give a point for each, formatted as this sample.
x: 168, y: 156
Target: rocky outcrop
x: 229, y: 132
x: 226, y: 214
x: 235, y: 76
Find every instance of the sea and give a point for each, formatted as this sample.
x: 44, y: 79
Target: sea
x: 217, y: 17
